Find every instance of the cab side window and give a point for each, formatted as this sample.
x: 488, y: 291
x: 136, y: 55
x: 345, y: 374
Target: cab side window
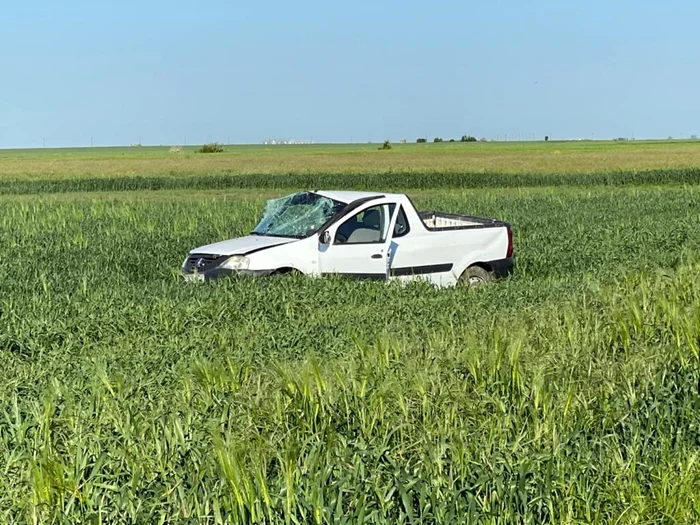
x: 401, y: 227
x: 369, y: 226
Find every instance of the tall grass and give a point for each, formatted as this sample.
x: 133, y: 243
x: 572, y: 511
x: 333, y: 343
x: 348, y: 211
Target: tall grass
x: 581, y: 411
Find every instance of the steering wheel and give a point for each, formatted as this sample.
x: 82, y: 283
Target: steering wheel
x: 340, y: 238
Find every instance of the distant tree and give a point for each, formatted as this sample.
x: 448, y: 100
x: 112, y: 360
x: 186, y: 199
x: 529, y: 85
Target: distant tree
x: 386, y: 145
x: 467, y: 138
x: 210, y: 148
x: 546, y: 138
x: 452, y: 140
x: 437, y: 139
x: 421, y: 141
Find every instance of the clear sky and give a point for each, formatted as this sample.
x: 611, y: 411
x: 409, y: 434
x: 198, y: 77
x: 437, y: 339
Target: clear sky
x: 172, y: 72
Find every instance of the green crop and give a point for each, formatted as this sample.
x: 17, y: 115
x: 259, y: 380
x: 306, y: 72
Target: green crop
x: 565, y: 394
x: 396, y: 180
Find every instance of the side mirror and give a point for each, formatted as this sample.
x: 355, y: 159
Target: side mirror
x: 325, y: 237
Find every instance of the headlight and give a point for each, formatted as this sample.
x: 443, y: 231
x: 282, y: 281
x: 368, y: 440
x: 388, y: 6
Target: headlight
x: 237, y: 262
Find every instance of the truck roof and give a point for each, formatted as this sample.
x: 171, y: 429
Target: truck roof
x: 350, y: 196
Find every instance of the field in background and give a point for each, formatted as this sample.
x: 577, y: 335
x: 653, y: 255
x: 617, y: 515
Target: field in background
x: 566, y: 394
x: 490, y: 157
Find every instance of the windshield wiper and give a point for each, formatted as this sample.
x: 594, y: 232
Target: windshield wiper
x: 277, y: 235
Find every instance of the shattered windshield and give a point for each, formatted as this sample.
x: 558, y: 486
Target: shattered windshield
x: 297, y: 215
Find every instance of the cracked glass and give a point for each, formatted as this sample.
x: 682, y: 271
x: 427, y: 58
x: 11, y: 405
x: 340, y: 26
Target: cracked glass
x: 297, y: 215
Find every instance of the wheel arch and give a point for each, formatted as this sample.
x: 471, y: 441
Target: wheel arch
x: 474, y: 259
x: 286, y: 270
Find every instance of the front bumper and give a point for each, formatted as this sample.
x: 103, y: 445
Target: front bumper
x: 218, y: 273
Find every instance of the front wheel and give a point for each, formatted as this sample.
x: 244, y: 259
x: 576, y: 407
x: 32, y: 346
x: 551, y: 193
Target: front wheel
x: 285, y: 272
x: 475, y: 276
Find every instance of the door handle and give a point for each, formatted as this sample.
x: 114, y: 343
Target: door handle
x: 377, y: 256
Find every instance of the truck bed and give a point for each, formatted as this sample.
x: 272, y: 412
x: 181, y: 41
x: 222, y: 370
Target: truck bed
x: 437, y: 221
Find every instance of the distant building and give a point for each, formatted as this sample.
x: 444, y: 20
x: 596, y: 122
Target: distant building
x: 273, y: 142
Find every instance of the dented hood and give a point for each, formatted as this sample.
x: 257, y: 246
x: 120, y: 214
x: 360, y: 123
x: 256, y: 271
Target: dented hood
x: 242, y: 245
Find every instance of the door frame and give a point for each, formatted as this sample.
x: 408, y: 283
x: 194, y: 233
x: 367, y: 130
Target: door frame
x: 383, y: 247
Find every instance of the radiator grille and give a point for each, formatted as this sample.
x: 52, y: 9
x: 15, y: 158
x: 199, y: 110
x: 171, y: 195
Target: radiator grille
x: 199, y: 261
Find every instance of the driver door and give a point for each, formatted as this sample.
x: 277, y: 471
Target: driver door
x: 359, y: 244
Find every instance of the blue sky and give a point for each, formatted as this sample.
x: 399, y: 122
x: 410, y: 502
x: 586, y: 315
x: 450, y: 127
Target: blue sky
x: 169, y: 72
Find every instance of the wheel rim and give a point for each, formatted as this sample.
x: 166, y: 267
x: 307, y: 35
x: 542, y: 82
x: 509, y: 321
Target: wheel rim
x: 475, y: 281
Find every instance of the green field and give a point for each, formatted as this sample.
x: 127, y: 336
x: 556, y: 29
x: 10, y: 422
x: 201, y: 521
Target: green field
x: 568, y: 393
x: 488, y: 157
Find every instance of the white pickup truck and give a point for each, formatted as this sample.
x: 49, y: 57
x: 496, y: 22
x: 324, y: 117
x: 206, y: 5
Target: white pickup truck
x: 361, y: 234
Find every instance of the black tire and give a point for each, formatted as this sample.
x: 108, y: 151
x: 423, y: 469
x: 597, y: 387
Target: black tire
x: 285, y: 272
x: 475, y: 276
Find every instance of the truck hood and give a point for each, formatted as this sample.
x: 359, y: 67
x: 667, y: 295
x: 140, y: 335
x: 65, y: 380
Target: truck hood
x: 242, y: 245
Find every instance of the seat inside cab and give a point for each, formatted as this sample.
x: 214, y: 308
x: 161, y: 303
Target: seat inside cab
x: 365, y: 227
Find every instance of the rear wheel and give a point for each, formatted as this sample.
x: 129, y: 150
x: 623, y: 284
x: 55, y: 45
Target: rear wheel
x: 475, y: 276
